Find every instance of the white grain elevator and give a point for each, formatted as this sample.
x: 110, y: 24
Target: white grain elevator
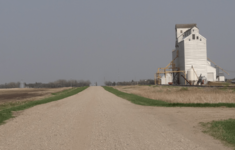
x: 191, y: 48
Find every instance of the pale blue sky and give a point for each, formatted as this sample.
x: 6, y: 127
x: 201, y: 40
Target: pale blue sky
x: 46, y: 40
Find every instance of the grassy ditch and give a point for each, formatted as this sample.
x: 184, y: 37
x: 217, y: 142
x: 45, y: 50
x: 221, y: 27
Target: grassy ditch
x: 223, y: 130
x: 7, y: 112
x: 135, y: 98
x: 64, y: 91
x: 150, y: 102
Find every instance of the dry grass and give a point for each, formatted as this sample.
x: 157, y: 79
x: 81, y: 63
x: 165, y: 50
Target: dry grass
x: 174, y: 94
x: 18, y: 95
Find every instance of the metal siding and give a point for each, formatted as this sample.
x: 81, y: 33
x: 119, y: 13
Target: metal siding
x: 210, y: 76
x: 213, y: 70
x: 196, y: 56
x: 174, y: 53
x: 221, y: 78
x: 181, y: 60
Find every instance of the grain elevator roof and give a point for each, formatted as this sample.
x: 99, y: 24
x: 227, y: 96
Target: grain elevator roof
x: 185, y: 25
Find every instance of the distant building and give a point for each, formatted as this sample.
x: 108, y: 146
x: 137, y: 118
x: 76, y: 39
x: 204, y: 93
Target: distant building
x: 191, y: 49
x: 233, y: 81
x: 219, y: 75
x: 22, y: 85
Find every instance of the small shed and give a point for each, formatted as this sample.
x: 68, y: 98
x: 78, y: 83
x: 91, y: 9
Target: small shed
x: 167, y: 79
x: 233, y: 81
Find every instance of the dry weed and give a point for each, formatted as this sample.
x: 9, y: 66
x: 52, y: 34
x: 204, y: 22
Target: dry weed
x: 26, y: 94
x: 174, y: 94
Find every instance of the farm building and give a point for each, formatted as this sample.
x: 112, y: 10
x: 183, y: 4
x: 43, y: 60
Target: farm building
x: 233, y: 81
x: 189, y: 59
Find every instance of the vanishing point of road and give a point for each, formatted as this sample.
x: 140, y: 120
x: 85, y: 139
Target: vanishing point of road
x: 98, y: 120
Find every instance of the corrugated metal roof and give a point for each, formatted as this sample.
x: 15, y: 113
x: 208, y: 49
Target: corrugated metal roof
x: 185, y: 25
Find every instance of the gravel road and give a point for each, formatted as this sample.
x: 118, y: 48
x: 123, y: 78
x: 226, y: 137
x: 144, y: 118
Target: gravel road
x: 98, y: 120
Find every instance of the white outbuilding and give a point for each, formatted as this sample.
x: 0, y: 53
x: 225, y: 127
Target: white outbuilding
x: 166, y: 79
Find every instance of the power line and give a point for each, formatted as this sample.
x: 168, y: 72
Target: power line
x: 233, y: 71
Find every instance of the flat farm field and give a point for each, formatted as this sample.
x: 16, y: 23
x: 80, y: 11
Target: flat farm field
x: 176, y: 94
x: 19, y: 95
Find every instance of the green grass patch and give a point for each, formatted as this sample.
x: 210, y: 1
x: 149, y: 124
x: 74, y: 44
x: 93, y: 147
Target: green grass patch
x: 223, y: 130
x: 168, y: 87
x: 223, y: 88
x: 151, y: 102
x: 226, y: 84
x: 134, y: 98
x: 67, y: 90
x: 7, y: 112
x: 233, y: 89
x: 184, y: 89
x: 8, y: 105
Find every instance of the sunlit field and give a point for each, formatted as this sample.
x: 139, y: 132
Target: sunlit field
x: 174, y: 94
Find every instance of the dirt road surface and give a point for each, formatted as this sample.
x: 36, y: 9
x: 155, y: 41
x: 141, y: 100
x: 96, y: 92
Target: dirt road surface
x: 98, y: 120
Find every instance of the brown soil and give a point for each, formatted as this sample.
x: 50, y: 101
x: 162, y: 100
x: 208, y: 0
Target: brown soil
x: 96, y: 120
x: 26, y: 94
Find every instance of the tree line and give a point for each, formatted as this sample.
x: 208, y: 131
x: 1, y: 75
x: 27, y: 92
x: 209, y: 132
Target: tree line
x: 10, y: 85
x: 55, y: 84
x: 123, y: 83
